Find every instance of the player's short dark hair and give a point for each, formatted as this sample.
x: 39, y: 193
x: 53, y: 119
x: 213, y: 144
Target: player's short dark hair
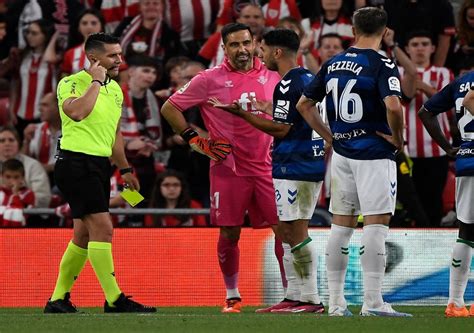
x: 13, y: 165
x: 234, y: 27
x: 369, y: 21
x: 285, y: 38
x: 97, y: 41
x: 3, y: 18
x: 419, y: 33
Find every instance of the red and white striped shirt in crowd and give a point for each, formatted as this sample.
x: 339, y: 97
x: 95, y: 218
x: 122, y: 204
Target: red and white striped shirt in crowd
x: 277, y: 9
x: 129, y: 125
x: 74, y: 60
x: 191, y: 19
x: 342, y: 26
x: 43, y: 145
x: 12, y: 205
x: 212, y: 50
x: 36, y: 78
x: 419, y: 142
x: 115, y: 10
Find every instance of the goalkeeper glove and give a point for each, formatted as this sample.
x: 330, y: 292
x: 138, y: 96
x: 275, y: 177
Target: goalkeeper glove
x: 216, y: 150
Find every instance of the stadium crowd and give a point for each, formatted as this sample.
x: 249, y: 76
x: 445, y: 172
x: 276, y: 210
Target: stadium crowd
x: 165, y: 44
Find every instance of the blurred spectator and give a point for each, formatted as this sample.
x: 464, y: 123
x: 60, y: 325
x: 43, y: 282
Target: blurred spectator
x: 194, y: 166
x: 464, y: 48
x: 140, y: 123
x: 273, y: 11
x: 114, y: 11
x: 34, y: 75
x: 430, y: 163
x: 173, y: 78
x: 41, y: 140
x: 3, y: 33
x: 193, y: 21
x: 212, y: 53
x: 14, y: 194
x: 436, y: 16
x: 330, y: 44
x: 171, y: 191
x: 335, y: 17
x: 59, y: 12
x: 88, y: 22
x: 35, y: 176
x: 147, y: 33
x: 306, y: 57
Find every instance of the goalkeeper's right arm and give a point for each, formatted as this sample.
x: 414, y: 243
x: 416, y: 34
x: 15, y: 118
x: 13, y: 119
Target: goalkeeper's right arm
x: 216, y: 150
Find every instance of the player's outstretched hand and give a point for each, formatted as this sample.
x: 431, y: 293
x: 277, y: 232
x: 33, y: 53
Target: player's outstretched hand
x: 397, y: 143
x: 233, y: 108
x: 262, y: 106
x: 216, y: 150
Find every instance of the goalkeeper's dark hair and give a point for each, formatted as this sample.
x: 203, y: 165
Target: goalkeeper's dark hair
x: 13, y: 165
x: 159, y: 201
x: 284, y: 38
x: 234, y: 27
x: 98, y: 40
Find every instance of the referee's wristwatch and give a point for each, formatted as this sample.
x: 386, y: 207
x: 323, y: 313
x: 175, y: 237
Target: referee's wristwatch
x: 125, y: 170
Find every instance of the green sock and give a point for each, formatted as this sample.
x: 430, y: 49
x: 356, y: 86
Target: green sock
x: 72, y: 263
x: 100, y: 256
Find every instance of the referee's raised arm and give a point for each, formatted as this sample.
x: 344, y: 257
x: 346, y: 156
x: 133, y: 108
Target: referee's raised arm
x: 78, y: 108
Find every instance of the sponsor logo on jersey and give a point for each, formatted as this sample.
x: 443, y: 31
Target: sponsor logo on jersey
x: 228, y: 84
x: 466, y: 151
x: 394, y: 83
x: 352, y: 134
x: 317, y: 151
x: 281, y: 110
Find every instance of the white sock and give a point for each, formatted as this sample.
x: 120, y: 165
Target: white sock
x: 373, y: 258
x: 293, y: 290
x: 337, y: 257
x: 232, y: 293
x: 459, y: 273
x: 306, y: 264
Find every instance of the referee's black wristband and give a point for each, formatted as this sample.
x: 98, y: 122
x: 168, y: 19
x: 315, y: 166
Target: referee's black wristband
x: 100, y: 82
x: 125, y: 170
x: 188, y: 134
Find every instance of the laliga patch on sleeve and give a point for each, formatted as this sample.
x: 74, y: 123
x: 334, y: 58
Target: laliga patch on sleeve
x: 132, y: 197
x: 394, y: 83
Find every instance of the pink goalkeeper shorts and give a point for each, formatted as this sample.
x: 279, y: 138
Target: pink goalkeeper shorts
x: 232, y: 196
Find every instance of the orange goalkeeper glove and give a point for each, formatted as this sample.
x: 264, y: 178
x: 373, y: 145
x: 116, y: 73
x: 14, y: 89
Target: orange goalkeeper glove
x: 216, y: 150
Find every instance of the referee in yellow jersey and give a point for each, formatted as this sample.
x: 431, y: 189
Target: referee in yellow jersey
x: 90, y: 105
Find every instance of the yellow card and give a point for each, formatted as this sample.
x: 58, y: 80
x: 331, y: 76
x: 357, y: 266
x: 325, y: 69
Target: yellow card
x: 132, y: 197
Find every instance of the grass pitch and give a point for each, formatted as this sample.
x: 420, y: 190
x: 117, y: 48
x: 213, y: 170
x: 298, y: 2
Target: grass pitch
x: 209, y: 319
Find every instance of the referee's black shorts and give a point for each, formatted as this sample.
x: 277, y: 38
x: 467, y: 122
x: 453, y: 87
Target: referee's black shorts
x: 84, y: 181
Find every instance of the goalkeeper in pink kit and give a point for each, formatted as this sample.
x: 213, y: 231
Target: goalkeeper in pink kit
x: 241, y: 171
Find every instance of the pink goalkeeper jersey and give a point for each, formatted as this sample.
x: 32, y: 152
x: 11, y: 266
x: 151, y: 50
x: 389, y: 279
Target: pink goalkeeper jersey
x: 250, y: 146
